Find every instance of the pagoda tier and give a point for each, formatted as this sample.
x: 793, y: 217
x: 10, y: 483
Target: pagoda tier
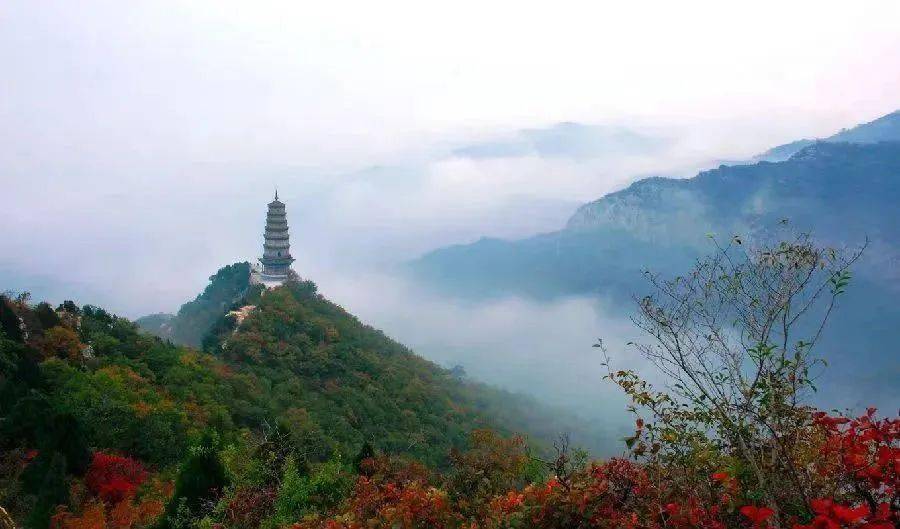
x: 276, y: 259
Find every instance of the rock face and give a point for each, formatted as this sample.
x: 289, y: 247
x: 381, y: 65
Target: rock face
x: 649, y: 209
x: 838, y: 190
x: 240, y: 314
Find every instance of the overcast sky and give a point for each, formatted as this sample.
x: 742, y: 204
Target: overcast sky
x: 111, y: 83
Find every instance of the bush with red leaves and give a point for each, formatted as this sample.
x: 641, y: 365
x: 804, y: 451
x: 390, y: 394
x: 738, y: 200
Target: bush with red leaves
x: 861, y: 460
x: 114, y: 478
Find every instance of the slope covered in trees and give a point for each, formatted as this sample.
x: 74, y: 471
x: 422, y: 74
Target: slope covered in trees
x: 298, y: 379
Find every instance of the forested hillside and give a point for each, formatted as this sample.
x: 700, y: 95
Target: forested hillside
x: 299, y: 377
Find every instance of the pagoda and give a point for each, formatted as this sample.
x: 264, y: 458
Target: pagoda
x: 276, y: 259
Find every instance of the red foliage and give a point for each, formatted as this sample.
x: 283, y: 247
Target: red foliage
x: 114, y: 478
x: 857, y: 467
x: 757, y: 515
x: 98, y: 515
x: 867, y: 450
x: 618, y: 493
x: 831, y: 515
x: 393, y: 494
x: 93, y: 517
x: 861, y: 457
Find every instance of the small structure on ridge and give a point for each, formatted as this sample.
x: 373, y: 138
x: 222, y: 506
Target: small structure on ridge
x: 276, y: 259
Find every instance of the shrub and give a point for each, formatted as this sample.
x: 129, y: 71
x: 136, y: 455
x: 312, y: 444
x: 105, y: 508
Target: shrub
x: 114, y: 478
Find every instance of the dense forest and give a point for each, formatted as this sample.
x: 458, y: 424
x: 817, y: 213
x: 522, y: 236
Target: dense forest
x: 296, y: 414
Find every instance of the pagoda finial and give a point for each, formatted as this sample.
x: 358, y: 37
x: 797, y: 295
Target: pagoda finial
x: 276, y: 192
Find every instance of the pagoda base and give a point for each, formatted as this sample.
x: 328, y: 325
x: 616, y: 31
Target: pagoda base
x: 258, y: 277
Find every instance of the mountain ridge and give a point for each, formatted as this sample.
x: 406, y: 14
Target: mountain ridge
x: 843, y: 193
x: 884, y: 128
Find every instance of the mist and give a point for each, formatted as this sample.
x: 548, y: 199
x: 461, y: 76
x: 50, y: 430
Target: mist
x: 145, y: 238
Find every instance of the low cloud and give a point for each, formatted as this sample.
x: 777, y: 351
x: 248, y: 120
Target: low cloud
x: 542, y: 349
x: 567, y: 140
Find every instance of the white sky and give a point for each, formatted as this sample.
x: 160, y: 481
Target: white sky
x: 316, y: 82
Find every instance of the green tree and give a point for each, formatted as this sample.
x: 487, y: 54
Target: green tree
x: 319, y: 491
x: 735, y: 338
x: 47, y: 479
x: 200, y: 481
x: 9, y: 320
x: 367, y: 451
x: 46, y: 315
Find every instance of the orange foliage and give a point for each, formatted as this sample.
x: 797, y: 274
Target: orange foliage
x: 93, y: 516
x: 122, y: 515
x: 60, y: 342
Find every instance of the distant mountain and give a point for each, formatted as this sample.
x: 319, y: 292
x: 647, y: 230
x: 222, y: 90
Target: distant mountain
x: 841, y: 192
x: 565, y: 140
x: 885, y: 128
x: 159, y: 324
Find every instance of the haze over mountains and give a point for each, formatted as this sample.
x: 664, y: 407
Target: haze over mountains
x: 885, y: 128
x: 843, y: 190
x: 523, y: 312
x: 520, y: 312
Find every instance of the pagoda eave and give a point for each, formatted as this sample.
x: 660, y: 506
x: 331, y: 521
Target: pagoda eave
x: 275, y: 261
